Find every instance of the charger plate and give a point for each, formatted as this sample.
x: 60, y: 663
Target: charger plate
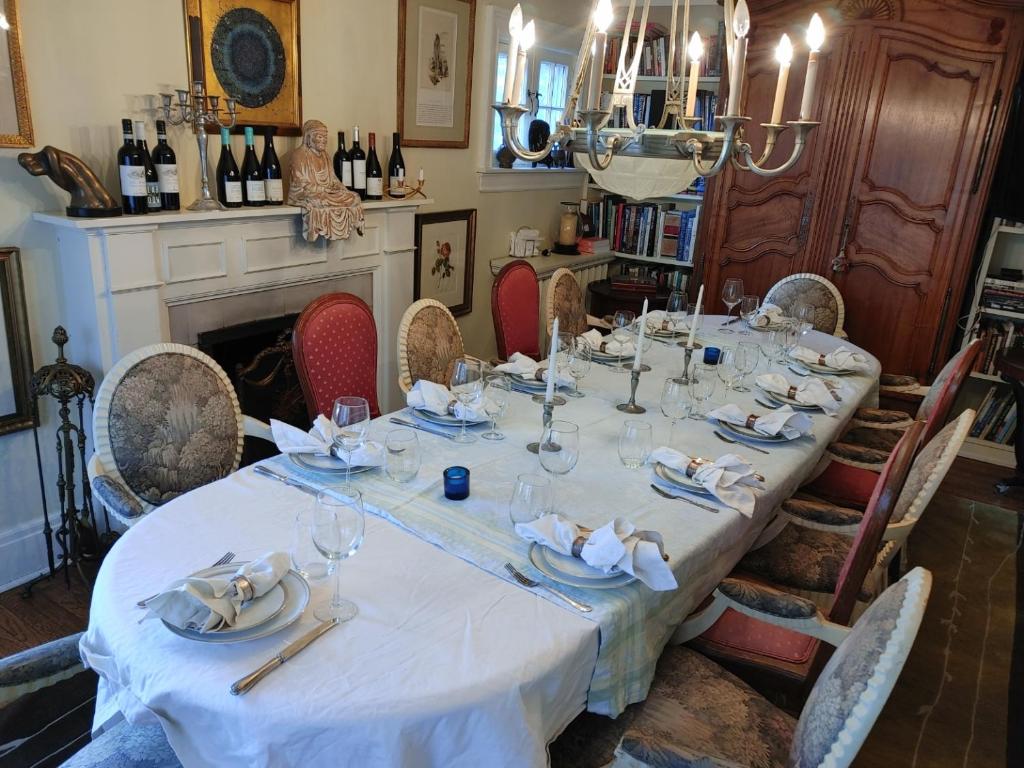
x: 751, y: 434
x: 783, y: 400
x: 826, y: 369
x: 573, y: 572
x: 447, y: 420
x: 326, y: 464
x: 681, y: 481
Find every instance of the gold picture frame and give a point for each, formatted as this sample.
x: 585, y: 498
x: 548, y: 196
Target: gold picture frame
x: 273, y: 22
x: 435, y: 87
x: 15, y: 116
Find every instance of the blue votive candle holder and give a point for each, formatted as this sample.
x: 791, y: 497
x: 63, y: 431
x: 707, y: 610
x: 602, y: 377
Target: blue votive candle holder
x: 456, y: 483
x: 711, y: 355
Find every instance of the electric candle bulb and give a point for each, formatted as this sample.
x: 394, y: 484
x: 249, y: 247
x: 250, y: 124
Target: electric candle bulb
x: 784, y: 50
x: 529, y: 36
x: 740, y: 26
x: 741, y: 19
x: 526, y: 40
x: 602, y: 20
x: 695, y: 50
x: 515, y: 29
x: 784, y: 55
x: 815, y: 39
x: 603, y: 15
x: 815, y: 33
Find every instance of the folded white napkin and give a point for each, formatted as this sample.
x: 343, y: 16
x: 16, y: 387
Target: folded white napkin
x: 206, y: 605
x: 728, y: 478
x: 319, y: 440
x: 785, y: 421
x: 615, y: 547
x: 438, y: 400
x: 810, y: 391
x: 660, y: 320
x: 527, y: 367
x: 768, y: 314
x: 841, y: 358
x: 611, y: 346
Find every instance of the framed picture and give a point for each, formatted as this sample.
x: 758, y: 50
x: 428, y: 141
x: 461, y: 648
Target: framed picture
x: 435, y: 71
x: 15, y: 118
x: 445, y: 251
x: 15, y: 353
x: 249, y: 50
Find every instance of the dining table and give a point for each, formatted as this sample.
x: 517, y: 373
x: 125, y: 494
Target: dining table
x: 449, y: 661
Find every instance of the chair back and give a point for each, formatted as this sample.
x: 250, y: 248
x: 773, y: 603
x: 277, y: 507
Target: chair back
x: 334, y: 345
x: 935, y: 407
x: 855, y: 684
x: 864, y: 549
x: 815, y: 290
x: 565, y: 301
x: 515, y: 307
x: 930, y: 468
x: 166, y: 421
x: 428, y: 341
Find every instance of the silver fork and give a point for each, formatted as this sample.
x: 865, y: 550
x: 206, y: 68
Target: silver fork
x: 226, y: 558
x: 531, y: 584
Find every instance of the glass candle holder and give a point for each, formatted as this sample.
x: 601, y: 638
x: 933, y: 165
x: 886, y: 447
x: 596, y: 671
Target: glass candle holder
x: 456, y: 483
x: 712, y: 355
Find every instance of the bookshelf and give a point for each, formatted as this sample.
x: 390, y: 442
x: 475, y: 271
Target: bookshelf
x: 997, y: 327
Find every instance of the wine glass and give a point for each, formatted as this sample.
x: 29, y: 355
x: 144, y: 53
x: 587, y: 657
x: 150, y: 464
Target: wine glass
x: 622, y: 321
x: 466, y: 384
x: 635, y: 443
x: 351, y: 417
x: 703, y: 378
x: 676, y: 308
x: 403, y: 455
x: 497, y: 393
x: 559, y: 449
x: 803, y: 314
x: 749, y: 305
x: 732, y: 293
x: 726, y: 369
x: 746, y: 356
x: 338, y: 527
x: 579, y: 365
x: 675, y: 403
x: 531, y: 498
x: 566, y: 343
x: 790, y: 336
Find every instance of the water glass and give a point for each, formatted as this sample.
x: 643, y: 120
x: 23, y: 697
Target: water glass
x: 466, y: 384
x: 746, y: 357
x: 559, y: 449
x: 338, y: 527
x: 402, y: 447
x: 703, y: 379
x: 531, y: 498
x: 776, y: 345
x: 726, y: 369
x: 676, y: 308
x: 351, y: 418
x: 306, y: 559
x: 675, y: 403
x: 749, y: 305
x: 579, y: 365
x: 635, y: 443
x: 497, y: 393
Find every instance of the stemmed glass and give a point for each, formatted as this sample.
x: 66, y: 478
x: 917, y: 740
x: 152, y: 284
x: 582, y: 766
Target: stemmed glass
x: 726, y: 369
x: 749, y: 305
x: 804, y: 316
x: 732, y: 294
x: 790, y: 338
x: 622, y: 332
x: 351, y: 416
x: 531, y: 498
x: 579, y: 364
x: 702, y: 386
x: 337, y: 531
x: 776, y: 345
x: 496, y: 396
x: 676, y: 309
x: 559, y: 449
x: 675, y: 403
x: 466, y: 385
x: 746, y: 356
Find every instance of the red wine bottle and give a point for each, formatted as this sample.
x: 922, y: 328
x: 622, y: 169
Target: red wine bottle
x: 229, y: 180
x: 342, y: 163
x: 358, y: 158
x: 254, y: 193
x: 396, y: 168
x: 132, y: 170
x: 166, y: 170
x: 270, y: 169
x: 152, y: 183
x: 374, y: 173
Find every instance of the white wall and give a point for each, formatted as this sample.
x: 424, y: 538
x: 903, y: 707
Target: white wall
x: 91, y: 62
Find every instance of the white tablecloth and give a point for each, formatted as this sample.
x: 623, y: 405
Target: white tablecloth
x: 446, y: 664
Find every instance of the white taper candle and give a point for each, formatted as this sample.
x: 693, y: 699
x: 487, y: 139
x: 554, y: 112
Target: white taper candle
x: 549, y: 393
x: 695, y: 320
x: 515, y: 28
x: 637, y: 359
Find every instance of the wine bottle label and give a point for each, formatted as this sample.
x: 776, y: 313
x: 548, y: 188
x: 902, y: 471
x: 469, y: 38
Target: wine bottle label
x: 359, y: 173
x: 346, y: 173
x: 153, y: 195
x: 233, y: 191
x: 375, y: 186
x: 397, y: 186
x: 255, y: 190
x: 275, y: 189
x: 133, y: 180
x: 168, y: 176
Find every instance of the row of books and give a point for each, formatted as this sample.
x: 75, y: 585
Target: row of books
x: 646, y: 229
x: 647, y: 109
x: 649, y: 279
x: 655, y: 49
x: 997, y: 418
x: 1002, y: 294
x: 996, y: 336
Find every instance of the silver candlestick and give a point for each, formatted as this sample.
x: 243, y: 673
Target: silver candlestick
x: 198, y: 109
x: 549, y: 410
x: 688, y: 353
x: 631, y: 406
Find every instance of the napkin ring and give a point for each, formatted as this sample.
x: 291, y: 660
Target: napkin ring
x: 451, y: 406
x: 792, y: 393
x: 751, y: 420
x: 244, y: 588
x: 692, y: 467
x: 821, y: 360
x: 538, y: 374
x: 577, y: 546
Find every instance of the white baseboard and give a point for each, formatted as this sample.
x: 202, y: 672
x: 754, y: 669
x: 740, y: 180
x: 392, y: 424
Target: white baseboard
x: 22, y: 554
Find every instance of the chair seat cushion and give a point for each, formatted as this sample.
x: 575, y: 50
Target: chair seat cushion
x: 698, y: 714
x: 883, y: 440
x: 799, y: 558
x: 823, y: 512
x: 846, y: 485
x: 736, y: 633
x: 126, y: 746
x: 858, y: 455
x: 891, y: 380
x: 881, y: 416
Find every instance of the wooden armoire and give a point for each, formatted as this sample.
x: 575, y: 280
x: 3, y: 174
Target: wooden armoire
x: 887, y: 199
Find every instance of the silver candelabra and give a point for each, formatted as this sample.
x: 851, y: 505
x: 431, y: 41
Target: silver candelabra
x: 197, y: 109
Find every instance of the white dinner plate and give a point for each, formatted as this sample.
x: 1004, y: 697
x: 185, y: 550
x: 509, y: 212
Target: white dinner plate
x: 446, y: 420
x: 681, y: 481
x: 751, y: 434
x: 527, y: 383
x: 766, y: 328
x: 327, y: 464
x: 667, y: 334
x: 573, y: 572
x: 296, y: 597
x: 604, y: 357
x: 783, y: 400
x: 825, y: 369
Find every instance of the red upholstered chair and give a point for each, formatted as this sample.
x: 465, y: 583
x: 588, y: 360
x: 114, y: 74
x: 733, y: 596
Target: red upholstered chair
x: 515, y: 307
x: 334, y: 345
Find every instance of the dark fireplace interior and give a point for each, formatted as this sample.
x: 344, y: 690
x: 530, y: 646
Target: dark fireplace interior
x: 257, y: 357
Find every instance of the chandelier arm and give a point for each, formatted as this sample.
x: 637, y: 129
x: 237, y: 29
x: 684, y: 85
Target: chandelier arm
x: 510, y: 117
x: 694, y: 148
x: 571, y: 104
x: 803, y: 130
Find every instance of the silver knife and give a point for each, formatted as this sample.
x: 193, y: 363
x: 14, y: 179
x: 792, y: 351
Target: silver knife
x: 246, y: 683
x: 259, y: 469
x: 730, y: 322
x: 413, y: 425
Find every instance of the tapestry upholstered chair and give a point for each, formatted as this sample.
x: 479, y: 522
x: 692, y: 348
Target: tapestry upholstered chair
x: 45, y: 697
x: 832, y: 563
x: 565, y: 301
x: 429, y: 340
x: 166, y: 421
x: 698, y: 714
x: 515, y: 307
x: 334, y: 346
x: 816, y: 291
x: 861, y: 451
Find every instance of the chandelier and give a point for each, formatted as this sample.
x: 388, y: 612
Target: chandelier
x: 634, y: 160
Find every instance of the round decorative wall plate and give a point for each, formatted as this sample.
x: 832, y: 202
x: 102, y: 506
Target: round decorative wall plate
x: 248, y: 57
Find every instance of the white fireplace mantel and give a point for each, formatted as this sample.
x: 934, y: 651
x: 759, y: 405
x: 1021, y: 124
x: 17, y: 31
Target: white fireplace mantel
x: 121, y: 275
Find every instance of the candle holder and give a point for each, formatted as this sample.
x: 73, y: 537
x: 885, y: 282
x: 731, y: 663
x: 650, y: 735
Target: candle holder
x: 549, y: 410
x: 198, y: 110
x: 407, y: 191
x: 687, y: 356
x: 631, y: 406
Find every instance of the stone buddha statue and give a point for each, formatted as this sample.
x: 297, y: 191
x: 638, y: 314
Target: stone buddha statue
x: 328, y: 208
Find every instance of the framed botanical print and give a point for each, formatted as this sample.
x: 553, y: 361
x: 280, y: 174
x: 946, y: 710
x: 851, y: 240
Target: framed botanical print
x: 15, y: 118
x: 15, y: 353
x: 435, y: 71
x: 249, y: 50
x: 445, y: 251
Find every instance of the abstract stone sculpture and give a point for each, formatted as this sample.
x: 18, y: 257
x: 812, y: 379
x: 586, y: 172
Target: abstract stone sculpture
x: 328, y: 208
x: 89, y: 197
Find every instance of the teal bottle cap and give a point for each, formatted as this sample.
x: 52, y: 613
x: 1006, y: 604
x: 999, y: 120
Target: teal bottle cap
x: 248, y: 136
x: 225, y: 137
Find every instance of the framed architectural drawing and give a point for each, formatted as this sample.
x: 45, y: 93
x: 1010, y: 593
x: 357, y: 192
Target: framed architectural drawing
x: 15, y: 352
x: 445, y: 251
x: 435, y: 71
x: 15, y: 117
